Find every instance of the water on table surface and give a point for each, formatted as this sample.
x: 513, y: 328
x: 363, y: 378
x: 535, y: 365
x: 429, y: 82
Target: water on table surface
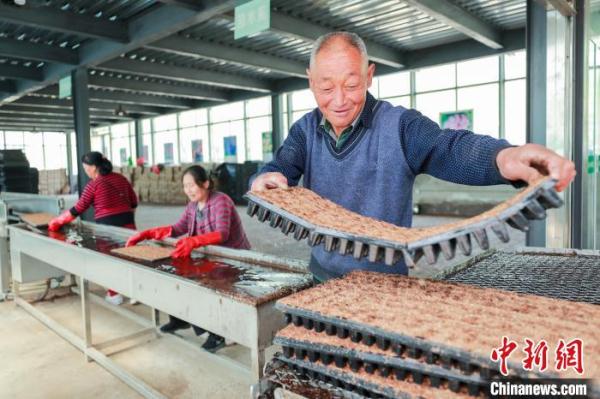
x: 227, y: 276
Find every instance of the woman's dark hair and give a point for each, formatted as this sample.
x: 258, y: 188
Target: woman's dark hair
x: 98, y: 160
x: 200, y: 176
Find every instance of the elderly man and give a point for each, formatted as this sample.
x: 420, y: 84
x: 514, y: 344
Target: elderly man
x: 364, y: 154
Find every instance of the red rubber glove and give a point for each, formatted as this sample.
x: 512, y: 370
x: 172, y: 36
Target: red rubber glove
x: 186, y: 245
x: 64, y: 218
x: 157, y: 233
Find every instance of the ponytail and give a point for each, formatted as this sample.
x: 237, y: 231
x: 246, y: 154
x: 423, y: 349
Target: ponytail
x: 98, y: 160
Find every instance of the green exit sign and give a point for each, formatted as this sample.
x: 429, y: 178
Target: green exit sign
x: 252, y: 17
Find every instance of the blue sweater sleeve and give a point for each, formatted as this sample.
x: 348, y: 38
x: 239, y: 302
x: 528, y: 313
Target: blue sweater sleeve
x: 290, y: 158
x: 458, y: 156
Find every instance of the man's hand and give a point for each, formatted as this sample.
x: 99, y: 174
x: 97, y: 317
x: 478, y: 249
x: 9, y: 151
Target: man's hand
x: 269, y: 180
x: 528, y: 162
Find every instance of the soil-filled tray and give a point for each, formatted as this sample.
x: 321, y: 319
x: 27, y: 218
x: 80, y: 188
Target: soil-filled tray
x: 144, y: 252
x: 304, y: 344
x: 456, y: 323
x: 369, y: 385
x: 556, y: 273
x: 278, y: 374
x: 37, y: 219
x: 307, y: 215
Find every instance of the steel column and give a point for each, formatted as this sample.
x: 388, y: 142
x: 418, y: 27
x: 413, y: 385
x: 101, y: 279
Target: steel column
x: 277, y: 121
x: 536, y: 95
x: 139, y: 143
x: 81, y: 115
x: 579, y: 70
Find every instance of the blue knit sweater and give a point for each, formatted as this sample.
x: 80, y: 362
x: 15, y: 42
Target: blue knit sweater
x: 374, y: 170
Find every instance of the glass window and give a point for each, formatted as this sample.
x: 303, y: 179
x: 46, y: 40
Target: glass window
x: 146, y: 125
x: 515, y: 112
x: 256, y: 128
x: 165, y: 122
x: 432, y: 104
x: 34, y: 149
x: 14, y: 140
x: 194, y: 144
x: 403, y: 101
x: 120, y: 130
x: 220, y: 132
x: 147, y: 148
x: 55, y: 147
x: 515, y: 65
x: 193, y: 118
x: 96, y: 143
x: 394, y: 84
x: 121, y: 151
x: 484, y: 102
x: 227, y: 112
x: 303, y: 100
x: 481, y: 70
x: 258, y: 107
x: 435, y: 78
x: 165, y: 147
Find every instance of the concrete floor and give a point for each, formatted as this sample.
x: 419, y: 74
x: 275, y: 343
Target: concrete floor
x: 36, y: 363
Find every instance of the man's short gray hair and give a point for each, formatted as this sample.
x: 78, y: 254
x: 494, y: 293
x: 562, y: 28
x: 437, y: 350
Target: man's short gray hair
x: 352, y: 39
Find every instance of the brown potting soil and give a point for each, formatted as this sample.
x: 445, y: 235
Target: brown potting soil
x: 319, y: 211
x: 455, y: 315
x: 144, y: 252
x: 37, y: 219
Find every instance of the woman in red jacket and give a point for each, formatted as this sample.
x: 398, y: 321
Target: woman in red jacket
x: 210, y: 218
x: 110, y: 194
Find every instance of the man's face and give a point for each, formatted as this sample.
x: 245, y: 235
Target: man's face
x: 339, y: 82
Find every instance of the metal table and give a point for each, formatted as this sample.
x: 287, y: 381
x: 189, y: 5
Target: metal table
x: 11, y: 203
x: 243, y: 312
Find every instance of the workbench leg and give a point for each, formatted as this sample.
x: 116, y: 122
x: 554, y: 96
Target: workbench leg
x: 156, y: 320
x: 85, y: 313
x: 15, y: 291
x: 257, y: 359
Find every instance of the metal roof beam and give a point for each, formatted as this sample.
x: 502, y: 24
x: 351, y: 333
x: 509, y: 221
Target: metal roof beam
x: 21, y: 72
x: 511, y: 40
x: 308, y: 31
x: 157, y: 88
x: 32, y: 110
x: 54, y: 103
x: 195, y: 48
x: 48, y: 118
x: 37, y: 52
x: 65, y: 22
x: 141, y: 99
x: 458, y: 18
x: 34, y: 127
x: 189, y: 75
x: 129, y: 98
x: 156, y: 24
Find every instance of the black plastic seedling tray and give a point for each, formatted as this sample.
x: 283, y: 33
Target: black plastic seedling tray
x: 413, y: 347
x: 341, y: 379
x: 385, y: 366
x: 532, y: 207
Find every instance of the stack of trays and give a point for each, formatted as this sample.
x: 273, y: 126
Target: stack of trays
x: 307, y: 215
x: 393, y: 336
x: 15, y: 175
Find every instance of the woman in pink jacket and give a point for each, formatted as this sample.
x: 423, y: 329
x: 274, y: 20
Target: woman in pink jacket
x: 210, y: 218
